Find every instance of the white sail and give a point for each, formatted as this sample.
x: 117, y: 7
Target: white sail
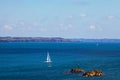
x: 48, y: 58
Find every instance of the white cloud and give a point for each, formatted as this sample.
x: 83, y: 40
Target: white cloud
x: 111, y: 17
x: 83, y: 15
x: 92, y: 27
x: 95, y: 27
x: 69, y: 25
x: 8, y: 27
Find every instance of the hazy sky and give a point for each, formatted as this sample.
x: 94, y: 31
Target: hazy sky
x: 60, y: 18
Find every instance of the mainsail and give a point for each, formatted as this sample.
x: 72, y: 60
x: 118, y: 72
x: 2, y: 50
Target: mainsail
x: 48, y: 58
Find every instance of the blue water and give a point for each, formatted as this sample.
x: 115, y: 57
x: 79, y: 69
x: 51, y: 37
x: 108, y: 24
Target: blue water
x: 25, y: 60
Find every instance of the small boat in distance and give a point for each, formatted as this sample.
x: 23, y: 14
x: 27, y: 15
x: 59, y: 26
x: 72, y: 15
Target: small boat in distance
x: 48, y: 60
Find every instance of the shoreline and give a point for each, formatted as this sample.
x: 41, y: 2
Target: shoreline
x: 52, y: 39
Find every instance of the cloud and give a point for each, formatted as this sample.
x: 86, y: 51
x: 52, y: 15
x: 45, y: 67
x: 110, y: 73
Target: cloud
x: 92, y: 27
x: 69, y: 25
x: 111, y: 17
x: 95, y: 27
x: 83, y: 15
x: 8, y: 27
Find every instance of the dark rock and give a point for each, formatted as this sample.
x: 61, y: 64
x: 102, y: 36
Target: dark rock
x: 76, y: 70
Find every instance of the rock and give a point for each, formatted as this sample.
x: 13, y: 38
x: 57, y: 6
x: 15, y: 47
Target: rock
x: 98, y: 72
x: 93, y: 73
x: 76, y: 70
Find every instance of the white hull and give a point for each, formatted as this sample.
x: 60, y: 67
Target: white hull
x: 48, y: 61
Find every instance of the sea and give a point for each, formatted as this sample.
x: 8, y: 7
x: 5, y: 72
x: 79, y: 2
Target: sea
x: 26, y: 60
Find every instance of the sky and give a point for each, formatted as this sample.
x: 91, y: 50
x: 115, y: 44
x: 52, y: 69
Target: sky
x: 96, y: 19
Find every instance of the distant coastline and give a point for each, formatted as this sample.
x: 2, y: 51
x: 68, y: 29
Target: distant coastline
x: 52, y: 39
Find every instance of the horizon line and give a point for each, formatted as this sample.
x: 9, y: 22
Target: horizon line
x: 52, y: 37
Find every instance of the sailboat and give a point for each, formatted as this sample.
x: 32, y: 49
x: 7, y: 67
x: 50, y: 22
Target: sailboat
x: 48, y: 60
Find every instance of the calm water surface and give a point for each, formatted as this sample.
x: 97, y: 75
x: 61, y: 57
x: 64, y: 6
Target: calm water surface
x: 26, y: 60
